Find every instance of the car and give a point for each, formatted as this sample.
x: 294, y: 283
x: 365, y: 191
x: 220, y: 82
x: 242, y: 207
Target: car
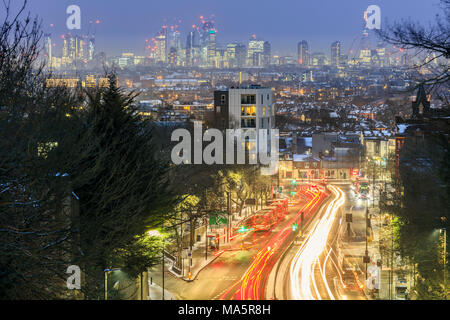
x: 350, y: 281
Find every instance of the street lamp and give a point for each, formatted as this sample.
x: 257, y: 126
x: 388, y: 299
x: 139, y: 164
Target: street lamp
x: 366, y: 254
x: 156, y: 233
x: 106, y: 280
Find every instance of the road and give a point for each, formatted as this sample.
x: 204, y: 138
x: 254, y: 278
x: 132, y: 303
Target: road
x: 253, y: 283
x: 242, y: 274
x: 312, y: 267
x: 278, y: 264
x: 308, y: 272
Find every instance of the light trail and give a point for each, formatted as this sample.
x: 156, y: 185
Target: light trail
x: 253, y: 281
x: 330, y: 294
x: 303, y: 264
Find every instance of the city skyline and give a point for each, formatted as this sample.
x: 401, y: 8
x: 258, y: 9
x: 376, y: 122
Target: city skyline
x: 258, y: 151
x: 329, y: 22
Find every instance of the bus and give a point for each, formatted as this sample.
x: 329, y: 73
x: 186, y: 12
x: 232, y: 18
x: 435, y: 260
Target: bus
x: 280, y: 208
x: 264, y: 220
x: 362, y: 188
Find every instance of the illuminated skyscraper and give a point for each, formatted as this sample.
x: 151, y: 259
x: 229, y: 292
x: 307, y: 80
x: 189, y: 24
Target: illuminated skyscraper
x: 81, y: 47
x: 267, y: 52
x: 190, y: 48
x: 48, y: 49
x: 172, y: 57
x: 160, y: 47
x: 91, y: 48
x: 303, y: 53
x: 335, y: 53
x: 235, y: 55
x: 259, y: 53
x: 382, y: 56
x: 211, y: 45
x: 255, y: 49
x: 72, y: 48
x: 65, y: 52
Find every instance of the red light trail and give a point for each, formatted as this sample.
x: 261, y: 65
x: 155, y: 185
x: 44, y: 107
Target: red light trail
x: 252, y: 283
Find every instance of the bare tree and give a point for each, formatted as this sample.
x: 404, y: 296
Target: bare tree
x: 431, y: 43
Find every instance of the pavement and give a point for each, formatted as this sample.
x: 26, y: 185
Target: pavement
x: 355, y: 246
x: 155, y: 292
x: 222, y: 270
x: 201, y: 258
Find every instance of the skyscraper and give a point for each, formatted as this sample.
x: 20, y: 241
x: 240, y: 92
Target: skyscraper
x: 365, y: 54
x: 258, y: 54
x: 303, y: 53
x: 211, y: 45
x: 190, y: 41
x: 335, y: 53
x: 172, y: 57
x: 235, y: 55
x: 267, y: 51
x: 91, y: 49
x: 160, y: 47
x: 48, y: 48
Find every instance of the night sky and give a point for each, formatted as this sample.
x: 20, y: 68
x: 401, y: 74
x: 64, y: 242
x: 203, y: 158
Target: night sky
x: 126, y: 24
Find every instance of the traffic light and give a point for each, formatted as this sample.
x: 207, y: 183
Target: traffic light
x: 294, y: 227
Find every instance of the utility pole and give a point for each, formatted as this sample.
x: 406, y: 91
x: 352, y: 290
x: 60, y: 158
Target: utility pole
x: 229, y: 214
x: 106, y: 285
x: 163, y: 256
x: 391, y: 276
x: 301, y: 221
x: 142, y: 286
x: 206, y: 240
x: 373, y: 184
x: 445, y: 263
x: 367, y: 251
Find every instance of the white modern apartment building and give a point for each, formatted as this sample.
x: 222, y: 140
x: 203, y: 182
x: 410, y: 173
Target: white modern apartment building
x: 246, y: 108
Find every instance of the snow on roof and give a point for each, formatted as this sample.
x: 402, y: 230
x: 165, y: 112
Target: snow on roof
x: 304, y: 157
x: 308, y: 142
x: 402, y: 128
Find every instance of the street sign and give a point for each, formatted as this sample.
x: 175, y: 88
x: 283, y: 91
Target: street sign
x: 217, y: 218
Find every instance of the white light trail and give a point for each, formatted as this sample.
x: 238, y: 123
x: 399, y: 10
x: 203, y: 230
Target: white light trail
x: 303, y: 264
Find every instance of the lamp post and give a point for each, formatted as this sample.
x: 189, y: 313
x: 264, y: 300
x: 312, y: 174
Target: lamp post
x: 366, y: 255
x: 106, y: 280
x: 445, y: 262
x: 163, y: 256
x: 156, y: 233
x: 391, y: 274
